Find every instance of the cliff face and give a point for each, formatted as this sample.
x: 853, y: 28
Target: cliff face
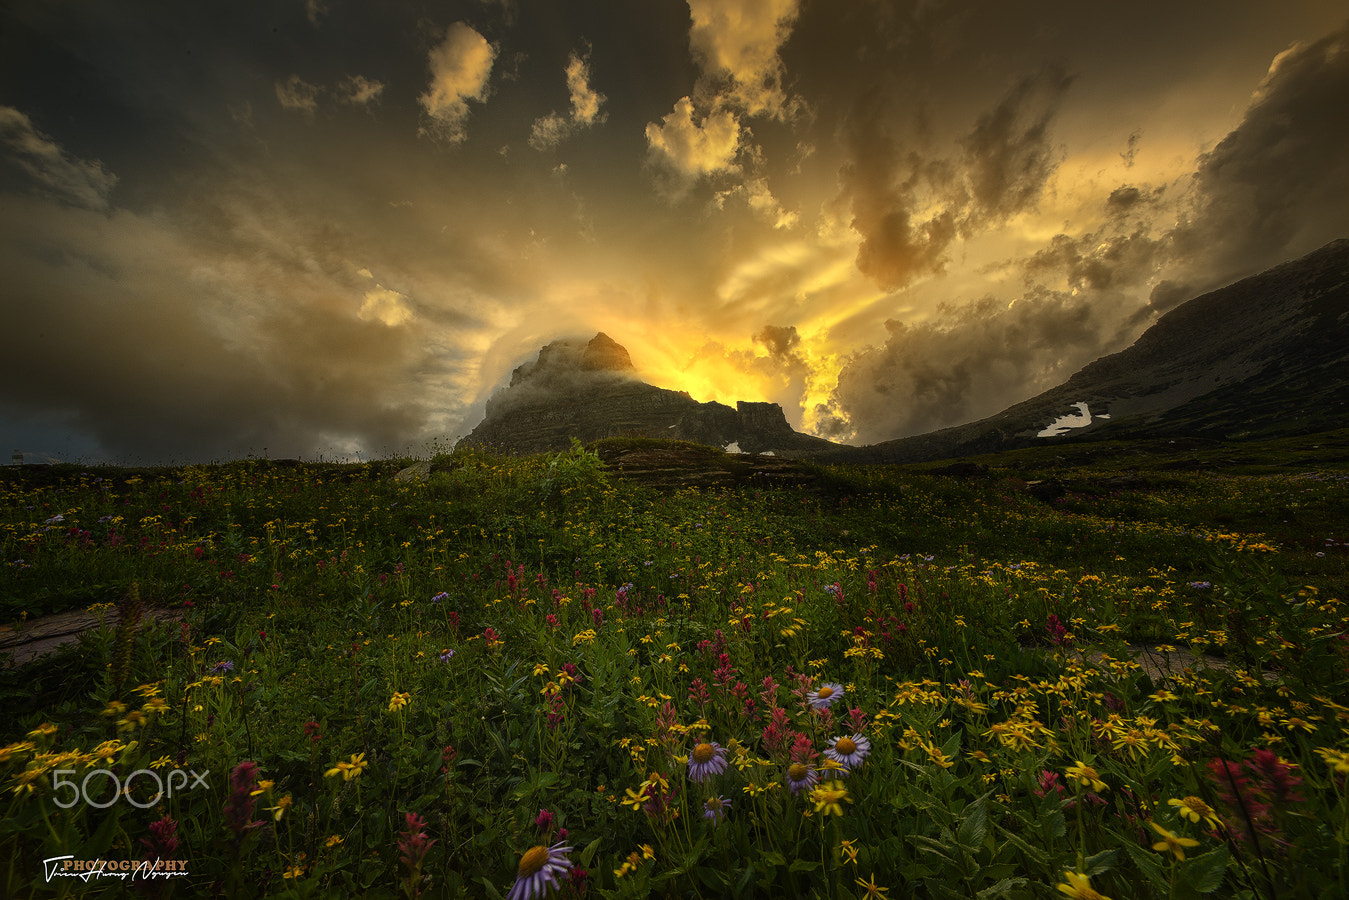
x: 589, y: 390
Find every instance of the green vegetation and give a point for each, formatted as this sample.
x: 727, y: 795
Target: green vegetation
x: 916, y: 680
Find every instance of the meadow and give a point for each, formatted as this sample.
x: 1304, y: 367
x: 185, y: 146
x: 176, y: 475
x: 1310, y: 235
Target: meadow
x: 528, y: 677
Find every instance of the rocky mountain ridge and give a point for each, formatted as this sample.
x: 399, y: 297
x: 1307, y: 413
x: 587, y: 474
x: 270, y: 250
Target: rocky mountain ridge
x: 589, y: 390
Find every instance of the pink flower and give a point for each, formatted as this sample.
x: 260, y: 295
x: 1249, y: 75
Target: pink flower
x: 239, y: 807
x: 163, y: 839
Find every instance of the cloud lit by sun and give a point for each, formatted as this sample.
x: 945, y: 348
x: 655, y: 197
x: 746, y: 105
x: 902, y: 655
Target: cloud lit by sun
x: 887, y: 218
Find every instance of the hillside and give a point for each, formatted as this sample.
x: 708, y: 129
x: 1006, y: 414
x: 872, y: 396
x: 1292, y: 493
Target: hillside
x: 1263, y: 357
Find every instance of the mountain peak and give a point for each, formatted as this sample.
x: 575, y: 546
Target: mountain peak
x: 604, y: 354
x: 590, y: 390
x: 566, y: 358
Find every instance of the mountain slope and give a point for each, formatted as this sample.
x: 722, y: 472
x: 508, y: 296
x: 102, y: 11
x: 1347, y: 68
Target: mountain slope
x: 1265, y: 356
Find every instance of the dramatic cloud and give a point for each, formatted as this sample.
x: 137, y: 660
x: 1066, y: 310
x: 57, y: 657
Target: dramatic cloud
x: 898, y: 206
x: 77, y: 181
x: 909, y: 203
x: 553, y: 129
x: 1008, y: 157
x: 1273, y: 188
x: 237, y: 352
x: 736, y: 44
x: 742, y: 192
x: 968, y: 363
x: 1279, y: 182
x: 460, y: 68
x: 691, y: 149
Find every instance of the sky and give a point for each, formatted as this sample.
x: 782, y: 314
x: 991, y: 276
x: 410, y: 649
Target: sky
x: 331, y: 229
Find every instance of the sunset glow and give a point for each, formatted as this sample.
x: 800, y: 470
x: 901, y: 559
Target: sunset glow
x: 315, y: 227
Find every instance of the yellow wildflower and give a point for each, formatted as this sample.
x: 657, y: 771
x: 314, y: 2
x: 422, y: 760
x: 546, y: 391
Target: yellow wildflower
x: 1171, y: 841
x: 871, y: 887
x: 281, y: 806
x: 829, y: 798
x: 1194, y: 809
x: 348, y: 770
x: 1085, y: 775
x: 1078, y: 887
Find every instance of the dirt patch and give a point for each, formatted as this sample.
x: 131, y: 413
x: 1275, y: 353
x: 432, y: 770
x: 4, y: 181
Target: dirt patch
x: 21, y: 643
x: 692, y: 467
x: 1161, y: 661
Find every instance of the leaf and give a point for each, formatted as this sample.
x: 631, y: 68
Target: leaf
x: 974, y: 828
x: 102, y: 839
x: 1205, y: 872
x: 928, y: 845
x: 1000, y: 889
x: 1147, y: 864
x: 1035, y: 854
x: 804, y: 865
x: 745, y: 878
x: 1100, y: 862
x: 588, y: 854
x: 710, y: 877
x: 491, y: 888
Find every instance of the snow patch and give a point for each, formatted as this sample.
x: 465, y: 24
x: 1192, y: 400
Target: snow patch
x: 1064, y: 424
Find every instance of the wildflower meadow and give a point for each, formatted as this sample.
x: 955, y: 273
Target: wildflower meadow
x: 526, y: 677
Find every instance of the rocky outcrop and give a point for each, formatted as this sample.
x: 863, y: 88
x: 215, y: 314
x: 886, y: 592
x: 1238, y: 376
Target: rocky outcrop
x: 589, y: 390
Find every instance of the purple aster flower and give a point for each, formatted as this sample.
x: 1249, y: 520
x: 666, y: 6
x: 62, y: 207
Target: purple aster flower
x: 849, y: 751
x: 801, y: 777
x: 706, y: 760
x: 539, y: 869
x: 439, y: 597
x: 446, y: 655
x: 715, y: 809
x: 222, y: 667
x: 825, y: 695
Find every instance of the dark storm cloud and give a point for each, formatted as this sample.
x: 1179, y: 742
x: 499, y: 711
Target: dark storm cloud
x: 910, y: 200
x: 969, y: 362
x: 82, y: 182
x: 224, y: 229
x: 785, y: 368
x: 1123, y: 253
x: 1278, y: 184
x: 780, y: 342
x: 1273, y: 188
x: 207, y: 378
x: 1008, y: 155
x: 1128, y: 198
x: 1083, y: 297
x: 882, y: 183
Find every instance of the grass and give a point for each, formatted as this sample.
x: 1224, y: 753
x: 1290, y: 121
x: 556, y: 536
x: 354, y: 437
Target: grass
x: 380, y: 688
